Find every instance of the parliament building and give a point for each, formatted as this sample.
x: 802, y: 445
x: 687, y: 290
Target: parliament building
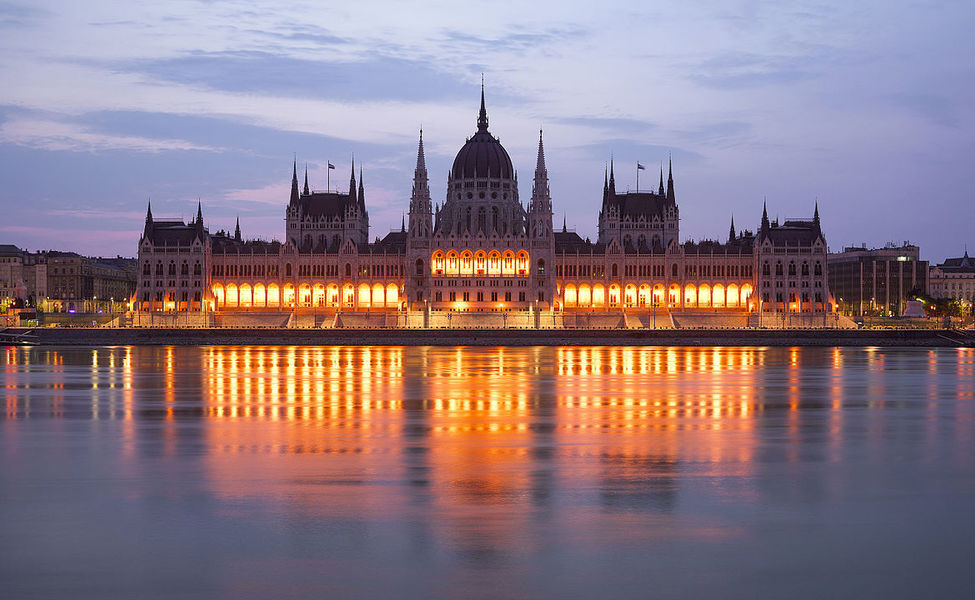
x: 482, y: 258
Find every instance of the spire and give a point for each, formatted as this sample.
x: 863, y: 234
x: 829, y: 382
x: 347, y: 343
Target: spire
x: 149, y: 211
x: 605, y: 180
x: 482, y: 118
x: 237, y: 230
x: 540, y: 163
x: 402, y: 226
x: 816, y: 214
x: 362, y: 192
x: 421, y: 160
x: 564, y: 230
x: 294, y: 182
x: 731, y: 233
x: 660, y: 190
x: 612, y: 179
x: 352, y: 196
x: 670, y: 180
x: 199, y: 211
x: 765, y: 223
x: 306, y: 190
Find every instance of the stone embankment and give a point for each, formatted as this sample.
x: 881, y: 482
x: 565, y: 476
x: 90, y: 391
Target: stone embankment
x: 504, y: 337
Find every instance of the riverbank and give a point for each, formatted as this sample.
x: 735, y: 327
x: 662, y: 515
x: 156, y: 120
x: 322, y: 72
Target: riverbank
x: 98, y: 336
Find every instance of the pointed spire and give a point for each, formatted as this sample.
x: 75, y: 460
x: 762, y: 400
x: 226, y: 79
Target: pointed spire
x: 605, y: 179
x: 482, y: 118
x: 294, y: 182
x: 237, y: 230
x: 731, y: 233
x: 149, y: 211
x: 612, y: 178
x: 765, y: 223
x: 199, y: 211
x: 362, y: 192
x: 402, y: 226
x: 816, y: 214
x: 352, y: 190
x: 540, y: 162
x: 564, y: 230
x: 660, y: 190
x: 306, y: 190
x: 670, y: 180
x: 421, y: 159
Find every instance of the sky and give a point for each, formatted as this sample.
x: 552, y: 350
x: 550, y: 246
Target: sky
x: 866, y: 107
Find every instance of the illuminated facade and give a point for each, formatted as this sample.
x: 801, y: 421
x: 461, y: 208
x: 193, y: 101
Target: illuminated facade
x: 482, y: 259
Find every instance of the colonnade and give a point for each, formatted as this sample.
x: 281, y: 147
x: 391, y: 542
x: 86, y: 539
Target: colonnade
x: 310, y: 295
x: 718, y: 295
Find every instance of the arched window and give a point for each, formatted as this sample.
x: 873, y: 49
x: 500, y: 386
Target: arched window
x: 348, y: 270
x: 673, y: 270
x: 766, y: 269
x: 287, y: 270
x: 184, y: 269
x: 541, y: 266
x: 792, y: 268
x: 146, y: 268
x: 419, y: 266
x: 805, y: 268
x: 172, y: 267
x: 778, y: 268
x: 197, y: 269
x: 615, y: 270
x: 818, y: 268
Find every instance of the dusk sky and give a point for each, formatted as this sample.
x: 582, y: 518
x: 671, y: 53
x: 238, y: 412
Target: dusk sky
x: 865, y: 106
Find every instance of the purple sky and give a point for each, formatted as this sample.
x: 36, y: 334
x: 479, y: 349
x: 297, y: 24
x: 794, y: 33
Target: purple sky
x: 865, y: 106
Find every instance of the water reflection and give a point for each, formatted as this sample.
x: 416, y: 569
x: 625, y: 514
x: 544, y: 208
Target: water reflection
x: 484, y: 458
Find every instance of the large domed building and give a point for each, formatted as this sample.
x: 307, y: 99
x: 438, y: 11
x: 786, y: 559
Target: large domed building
x: 482, y: 258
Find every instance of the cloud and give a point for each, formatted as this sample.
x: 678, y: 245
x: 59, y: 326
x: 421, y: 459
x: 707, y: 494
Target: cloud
x: 19, y: 15
x: 936, y: 109
x: 62, y: 136
x: 741, y: 70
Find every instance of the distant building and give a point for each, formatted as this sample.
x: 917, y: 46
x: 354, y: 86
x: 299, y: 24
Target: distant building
x: 23, y: 277
x: 77, y: 283
x: 877, y: 281
x: 482, y: 257
x: 954, y: 279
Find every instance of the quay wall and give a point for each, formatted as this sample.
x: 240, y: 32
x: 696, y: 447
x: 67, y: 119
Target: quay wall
x: 99, y: 336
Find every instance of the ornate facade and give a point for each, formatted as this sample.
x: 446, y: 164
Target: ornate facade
x: 483, y: 258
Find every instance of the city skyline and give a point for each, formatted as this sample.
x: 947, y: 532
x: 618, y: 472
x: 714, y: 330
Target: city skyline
x: 865, y: 111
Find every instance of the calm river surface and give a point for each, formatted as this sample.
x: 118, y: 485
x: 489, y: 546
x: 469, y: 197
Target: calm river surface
x: 338, y: 472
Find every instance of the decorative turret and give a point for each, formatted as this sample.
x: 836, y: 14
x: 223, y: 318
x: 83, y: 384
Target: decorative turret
x: 362, y: 193
x: 306, y: 191
x: 540, y: 207
x: 148, y: 227
x: 731, y: 232
x: 482, y: 118
x: 294, y: 183
x: 612, y: 179
x: 765, y: 222
x: 421, y: 223
x: 237, y: 230
x: 670, y: 181
x: 816, y: 216
x: 352, y: 191
x: 660, y: 190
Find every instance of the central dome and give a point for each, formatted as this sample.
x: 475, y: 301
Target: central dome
x: 482, y: 155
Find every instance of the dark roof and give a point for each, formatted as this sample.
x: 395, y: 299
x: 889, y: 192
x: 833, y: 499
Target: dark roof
x: 225, y: 244
x: 791, y: 233
x: 10, y: 250
x: 171, y: 233
x: 393, y: 243
x: 324, y: 204
x: 962, y: 264
x: 569, y: 242
x: 740, y: 245
x: 482, y: 155
x: 637, y: 204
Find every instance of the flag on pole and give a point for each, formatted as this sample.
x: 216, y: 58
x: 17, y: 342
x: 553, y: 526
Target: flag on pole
x: 331, y: 166
x: 640, y: 167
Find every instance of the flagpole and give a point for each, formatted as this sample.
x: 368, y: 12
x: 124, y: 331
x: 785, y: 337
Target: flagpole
x: 637, y: 177
x: 328, y: 177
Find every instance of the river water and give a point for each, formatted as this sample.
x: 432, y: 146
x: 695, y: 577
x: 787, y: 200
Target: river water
x: 354, y: 472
